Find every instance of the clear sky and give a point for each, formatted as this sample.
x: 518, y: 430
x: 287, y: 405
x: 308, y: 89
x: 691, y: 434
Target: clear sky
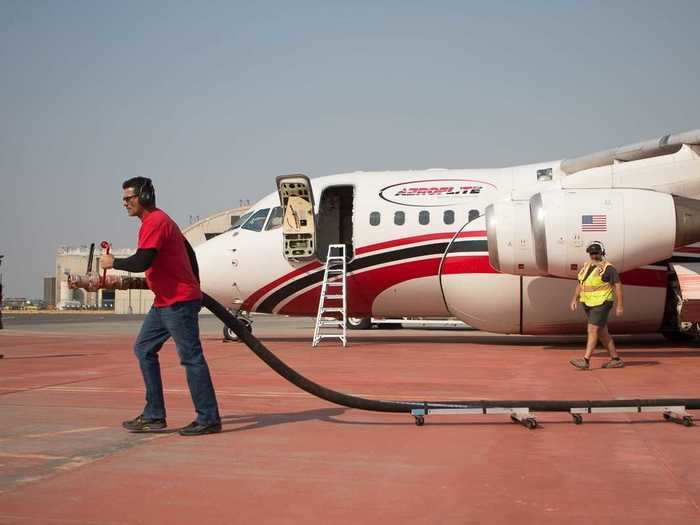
x: 214, y: 99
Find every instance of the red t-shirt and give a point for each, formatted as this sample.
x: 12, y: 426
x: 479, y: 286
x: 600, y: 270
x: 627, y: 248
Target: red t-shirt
x: 170, y: 276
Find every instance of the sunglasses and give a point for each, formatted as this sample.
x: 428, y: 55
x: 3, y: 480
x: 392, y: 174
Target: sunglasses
x: 128, y: 198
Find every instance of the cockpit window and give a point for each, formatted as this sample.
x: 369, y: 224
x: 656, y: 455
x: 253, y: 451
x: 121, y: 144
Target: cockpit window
x: 241, y: 220
x: 257, y: 220
x: 275, y: 218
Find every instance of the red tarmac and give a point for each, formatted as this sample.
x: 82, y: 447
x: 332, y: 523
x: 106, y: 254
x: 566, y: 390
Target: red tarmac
x: 287, y: 457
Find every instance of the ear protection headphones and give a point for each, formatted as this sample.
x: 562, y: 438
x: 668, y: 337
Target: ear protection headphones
x: 596, y: 244
x: 147, y: 193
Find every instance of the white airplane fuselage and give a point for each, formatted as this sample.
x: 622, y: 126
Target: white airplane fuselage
x: 418, y: 246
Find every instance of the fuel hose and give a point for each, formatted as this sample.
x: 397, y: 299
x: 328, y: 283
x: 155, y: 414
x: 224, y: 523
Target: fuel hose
x: 376, y: 405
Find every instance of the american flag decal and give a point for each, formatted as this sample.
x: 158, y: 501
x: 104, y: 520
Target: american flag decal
x: 594, y: 223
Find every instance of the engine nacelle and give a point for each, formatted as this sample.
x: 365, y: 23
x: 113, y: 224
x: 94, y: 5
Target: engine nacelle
x: 510, y: 241
x: 637, y: 227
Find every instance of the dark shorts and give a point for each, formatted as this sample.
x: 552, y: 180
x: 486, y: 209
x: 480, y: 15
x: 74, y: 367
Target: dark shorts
x: 598, y: 315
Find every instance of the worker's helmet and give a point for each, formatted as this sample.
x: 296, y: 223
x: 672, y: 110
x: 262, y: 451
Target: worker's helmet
x: 596, y: 247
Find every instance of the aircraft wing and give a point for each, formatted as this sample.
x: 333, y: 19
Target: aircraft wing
x: 666, y: 145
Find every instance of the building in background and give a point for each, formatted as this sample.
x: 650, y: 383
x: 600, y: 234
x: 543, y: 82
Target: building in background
x: 74, y: 259
x: 213, y: 225
x: 14, y: 303
x: 50, y: 291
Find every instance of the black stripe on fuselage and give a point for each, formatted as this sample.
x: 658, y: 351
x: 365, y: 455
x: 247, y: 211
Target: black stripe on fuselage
x: 361, y: 263
x: 677, y: 259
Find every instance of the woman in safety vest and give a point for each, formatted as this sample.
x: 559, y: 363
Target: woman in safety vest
x: 598, y: 287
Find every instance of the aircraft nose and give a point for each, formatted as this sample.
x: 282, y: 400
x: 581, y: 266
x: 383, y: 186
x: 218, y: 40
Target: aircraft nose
x: 217, y: 270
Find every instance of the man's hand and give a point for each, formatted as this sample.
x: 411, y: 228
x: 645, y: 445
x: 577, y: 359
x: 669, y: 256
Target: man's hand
x: 107, y: 261
x: 619, y: 310
x: 574, y: 304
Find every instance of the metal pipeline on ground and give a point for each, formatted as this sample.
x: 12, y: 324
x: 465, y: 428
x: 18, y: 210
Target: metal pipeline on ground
x: 93, y: 282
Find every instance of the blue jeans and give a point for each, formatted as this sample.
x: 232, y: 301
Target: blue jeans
x: 181, y: 322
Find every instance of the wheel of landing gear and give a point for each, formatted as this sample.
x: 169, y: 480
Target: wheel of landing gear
x: 531, y: 423
x: 230, y: 335
x: 420, y: 421
x: 578, y: 419
x: 358, y: 323
x: 688, y: 421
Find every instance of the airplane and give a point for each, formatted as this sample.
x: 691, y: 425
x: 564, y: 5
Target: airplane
x: 499, y: 249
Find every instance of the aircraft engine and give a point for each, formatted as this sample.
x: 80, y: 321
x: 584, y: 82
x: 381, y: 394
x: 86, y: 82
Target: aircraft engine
x: 510, y: 239
x: 637, y: 227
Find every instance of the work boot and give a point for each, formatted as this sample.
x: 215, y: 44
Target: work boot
x: 142, y: 424
x: 580, y: 363
x: 614, y: 363
x: 198, y: 429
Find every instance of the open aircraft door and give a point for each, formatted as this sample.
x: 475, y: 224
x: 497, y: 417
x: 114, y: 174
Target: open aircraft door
x: 298, y: 223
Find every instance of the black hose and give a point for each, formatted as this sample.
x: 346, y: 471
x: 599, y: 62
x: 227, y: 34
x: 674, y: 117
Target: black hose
x: 376, y: 405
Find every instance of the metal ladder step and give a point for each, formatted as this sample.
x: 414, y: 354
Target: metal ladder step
x: 335, y: 276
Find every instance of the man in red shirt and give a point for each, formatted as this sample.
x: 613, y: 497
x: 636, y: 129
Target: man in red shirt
x: 172, y: 274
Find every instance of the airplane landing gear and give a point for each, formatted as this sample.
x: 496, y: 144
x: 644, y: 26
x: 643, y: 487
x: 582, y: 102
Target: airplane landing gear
x: 358, y: 323
x: 230, y: 335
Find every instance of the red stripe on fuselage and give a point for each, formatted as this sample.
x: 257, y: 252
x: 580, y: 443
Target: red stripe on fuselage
x: 454, y: 264
x: 364, y: 287
x: 258, y: 294
x: 480, y: 264
x: 645, y: 277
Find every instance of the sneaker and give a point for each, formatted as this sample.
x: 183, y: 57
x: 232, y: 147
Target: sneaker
x: 198, y: 429
x: 142, y: 424
x: 580, y: 363
x: 614, y: 363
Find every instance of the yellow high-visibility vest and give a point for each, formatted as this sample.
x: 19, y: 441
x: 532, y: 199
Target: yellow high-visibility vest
x: 595, y: 291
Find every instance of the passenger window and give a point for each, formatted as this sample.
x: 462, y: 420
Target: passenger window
x: 448, y: 217
x: 473, y: 214
x: 256, y: 221
x: 374, y: 218
x: 399, y: 218
x: 275, y: 218
x: 424, y: 217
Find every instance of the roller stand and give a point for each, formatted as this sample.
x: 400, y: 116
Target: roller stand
x: 679, y: 416
x: 525, y: 418
x: 676, y: 414
x: 519, y: 415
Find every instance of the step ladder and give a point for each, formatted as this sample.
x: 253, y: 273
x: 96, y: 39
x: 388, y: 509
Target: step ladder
x: 333, y: 298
